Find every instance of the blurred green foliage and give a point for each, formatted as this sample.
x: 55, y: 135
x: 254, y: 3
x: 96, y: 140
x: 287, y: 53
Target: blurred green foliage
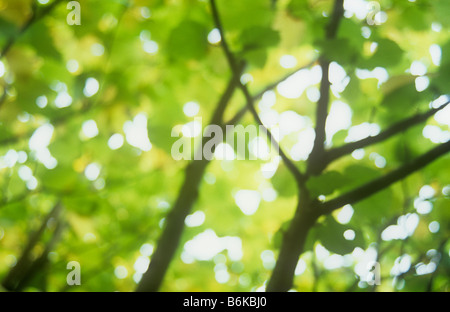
x: 149, y: 58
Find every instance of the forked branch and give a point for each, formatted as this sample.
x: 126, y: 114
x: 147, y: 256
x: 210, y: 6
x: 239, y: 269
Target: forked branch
x: 315, y: 160
x: 34, y: 17
x: 174, y: 223
x: 401, y: 126
x: 385, y: 181
x: 299, y: 177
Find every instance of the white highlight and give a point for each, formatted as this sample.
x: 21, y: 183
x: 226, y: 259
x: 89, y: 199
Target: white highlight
x: 207, y: 244
x: 362, y: 131
x: 89, y: 129
x: 214, y: 36
x: 436, y: 54
x: 136, y: 133
x: 435, y: 134
x: 63, y: 99
x: 72, y: 66
x: 422, y: 83
x: 116, y: 141
x: 379, y: 73
x: 294, y: 86
x: 405, y: 227
x: 339, y: 118
x: 224, y: 151
x: 192, y: 129
x: 191, y: 109
x: 2, y: 69
x: 121, y: 272
x: 248, y: 201
x: 359, y: 8
x: 304, y: 145
x: 141, y: 264
x: 146, y: 249
x: 92, y: 171
x: 97, y: 49
x: 91, y: 87
x: 38, y: 144
x: 195, y: 219
x: 338, y: 78
x: 41, y: 137
x: 345, y: 214
x: 288, y: 61
x: 41, y: 101
x: 418, y: 68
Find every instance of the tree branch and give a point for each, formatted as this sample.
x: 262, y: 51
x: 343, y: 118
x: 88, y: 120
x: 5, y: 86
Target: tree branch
x: 218, y: 23
x: 239, y: 114
x: 39, y: 264
x: 305, y: 216
x: 188, y: 194
x: 88, y: 105
x: 383, y: 182
x: 401, y: 126
x: 336, y: 16
x: 174, y: 222
x: 316, y: 157
x: 19, y: 271
x: 12, y: 40
x: 31, y: 20
x: 249, y: 99
x: 274, y: 84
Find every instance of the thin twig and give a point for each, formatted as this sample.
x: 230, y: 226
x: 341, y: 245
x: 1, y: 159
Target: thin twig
x: 316, y: 157
x: 18, y: 272
x: 249, y: 99
x: 27, y: 25
x: 383, y: 182
x: 239, y: 114
x: 88, y: 105
x: 174, y: 222
x: 401, y: 126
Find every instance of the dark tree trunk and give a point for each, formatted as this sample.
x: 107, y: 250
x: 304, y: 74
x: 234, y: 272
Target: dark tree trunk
x: 292, y: 247
x: 174, y: 225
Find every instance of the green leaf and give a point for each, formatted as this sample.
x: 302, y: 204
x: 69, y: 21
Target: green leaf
x: 395, y: 83
x: 339, y: 50
x: 351, y: 30
x: 298, y: 8
x: 189, y: 38
x: 326, y: 183
x: 236, y: 15
x: 441, y: 81
x: 353, y: 176
x: 255, y: 40
x: 279, y: 235
x: 7, y: 29
x: 400, y: 100
x: 418, y: 14
x: 257, y: 37
x: 256, y: 58
x: 61, y: 179
x: 357, y: 174
x: 339, y: 137
x: 388, y: 54
x: 40, y: 38
x: 361, y: 93
x: 441, y: 10
x: 284, y: 183
x: 445, y: 53
x: 331, y: 235
x: 376, y: 208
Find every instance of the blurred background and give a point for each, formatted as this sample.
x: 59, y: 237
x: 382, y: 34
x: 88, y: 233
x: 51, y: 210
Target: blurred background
x: 87, y: 114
